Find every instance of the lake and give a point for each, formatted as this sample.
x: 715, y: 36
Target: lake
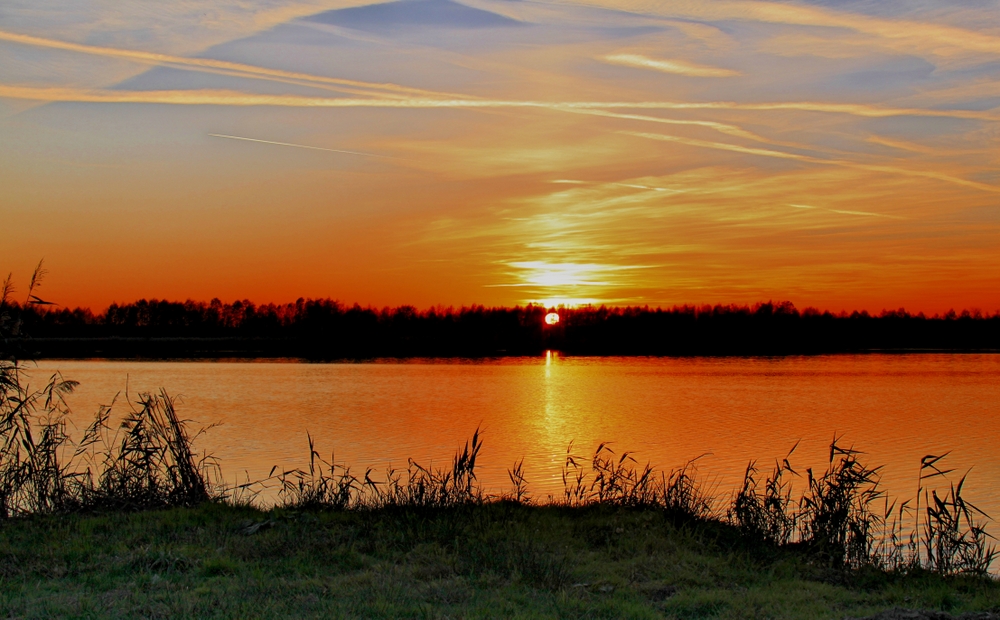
x: 896, y: 408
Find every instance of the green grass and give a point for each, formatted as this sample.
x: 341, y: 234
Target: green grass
x: 488, y: 560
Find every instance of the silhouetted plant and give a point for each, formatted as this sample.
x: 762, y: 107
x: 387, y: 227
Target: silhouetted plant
x: 954, y: 535
x: 682, y: 492
x: 766, y: 516
x: 573, y: 479
x: 35, y: 474
x: 837, y: 518
x: 336, y: 488
x: 618, y: 481
x: 896, y: 549
x: 148, y: 461
x: 519, y: 492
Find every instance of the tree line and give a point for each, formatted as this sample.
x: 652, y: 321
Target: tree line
x: 329, y: 329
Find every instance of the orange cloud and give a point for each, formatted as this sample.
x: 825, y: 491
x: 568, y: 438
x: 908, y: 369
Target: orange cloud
x: 679, y: 67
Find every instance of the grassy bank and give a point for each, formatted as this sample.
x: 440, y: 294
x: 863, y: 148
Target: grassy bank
x: 487, y: 560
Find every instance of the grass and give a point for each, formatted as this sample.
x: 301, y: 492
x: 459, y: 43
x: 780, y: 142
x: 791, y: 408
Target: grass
x: 478, y: 560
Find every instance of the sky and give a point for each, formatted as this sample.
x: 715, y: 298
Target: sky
x: 840, y: 154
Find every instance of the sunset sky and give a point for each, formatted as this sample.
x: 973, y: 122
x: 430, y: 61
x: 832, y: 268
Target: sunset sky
x: 839, y: 154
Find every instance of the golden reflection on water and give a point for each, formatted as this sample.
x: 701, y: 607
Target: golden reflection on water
x: 553, y: 425
x: 896, y: 408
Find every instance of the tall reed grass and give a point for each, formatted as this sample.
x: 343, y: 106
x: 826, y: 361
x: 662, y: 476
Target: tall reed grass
x: 145, y: 461
x: 838, y: 520
x: 841, y: 517
x: 326, y: 484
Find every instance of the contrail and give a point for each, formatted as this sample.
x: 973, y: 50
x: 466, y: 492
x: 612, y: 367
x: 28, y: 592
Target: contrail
x: 236, y: 98
x: 226, y: 67
x: 845, y: 212
x: 722, y: 146
x: 300, y: 146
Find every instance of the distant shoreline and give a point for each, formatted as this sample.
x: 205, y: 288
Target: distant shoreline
x: 325, y: 329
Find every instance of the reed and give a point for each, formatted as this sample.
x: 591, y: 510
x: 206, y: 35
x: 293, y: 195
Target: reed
x: 315, y: 488
x: 146, y: 462
x: 35, y: 475
x: 683, y: 493
x: 331, y: 486
x: 954, y: 535
x: 765, y: 515
x: 836, y: 519
x: 519, y: 493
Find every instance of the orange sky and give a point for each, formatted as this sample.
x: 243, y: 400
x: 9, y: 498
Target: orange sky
x: 839, y: 155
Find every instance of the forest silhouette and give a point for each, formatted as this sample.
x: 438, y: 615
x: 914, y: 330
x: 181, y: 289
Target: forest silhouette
x: 327, y: 329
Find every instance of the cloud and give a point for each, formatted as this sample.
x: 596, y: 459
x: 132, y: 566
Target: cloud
x: 721, y: 146
x: 925, y: 37
x: 923, y: 149
x: 228, y: 68
x: 180, y: 26
x: 607, y: 243
x: 678, y: 67
x: 237, y: 98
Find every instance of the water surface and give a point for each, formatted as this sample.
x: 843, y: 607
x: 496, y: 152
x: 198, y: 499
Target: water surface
x: 896, y: 408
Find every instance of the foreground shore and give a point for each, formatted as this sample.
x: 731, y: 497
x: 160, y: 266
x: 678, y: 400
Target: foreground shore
x: 487, y: 560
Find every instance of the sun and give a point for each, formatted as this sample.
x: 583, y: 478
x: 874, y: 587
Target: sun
x: 552, y: 318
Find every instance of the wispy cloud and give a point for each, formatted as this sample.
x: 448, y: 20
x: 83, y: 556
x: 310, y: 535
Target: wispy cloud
x: 927, y: 36
x: 678, y: 67
x: 567, y: 283
x: 180, y: 26
x: 597, y: 241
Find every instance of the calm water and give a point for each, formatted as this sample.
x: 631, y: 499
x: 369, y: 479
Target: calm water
x: 896, y: 408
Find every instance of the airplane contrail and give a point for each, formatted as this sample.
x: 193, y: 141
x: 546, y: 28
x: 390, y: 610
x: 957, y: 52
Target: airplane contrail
x: 722, y: 146
x: 300, y: 146
x: 846, y: 212
x: 225, y: 67
x: 237, y: 98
